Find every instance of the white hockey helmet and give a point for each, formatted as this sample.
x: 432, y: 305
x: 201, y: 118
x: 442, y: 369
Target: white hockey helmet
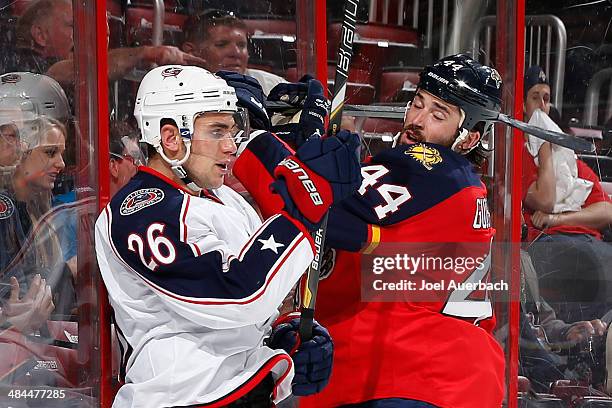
x: 32, y: 95
x: 179, y: 93
x: 26, y: 99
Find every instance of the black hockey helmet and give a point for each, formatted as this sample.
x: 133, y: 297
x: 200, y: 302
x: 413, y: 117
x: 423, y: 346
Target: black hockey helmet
x: 467, y: 84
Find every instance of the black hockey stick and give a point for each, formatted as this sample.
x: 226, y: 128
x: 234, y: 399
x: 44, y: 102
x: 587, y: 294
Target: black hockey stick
x: 345, y: 54
x: 562, y: 139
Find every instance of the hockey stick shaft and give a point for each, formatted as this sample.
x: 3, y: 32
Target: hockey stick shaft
x: 345, y: 54
x: 562, y: 139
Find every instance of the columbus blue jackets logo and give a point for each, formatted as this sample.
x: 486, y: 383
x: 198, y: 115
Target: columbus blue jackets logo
x: 7, y: 207
x: 140, y: 199
x: 171, y: 72
x: 11, y: 78
x: 426, y: 155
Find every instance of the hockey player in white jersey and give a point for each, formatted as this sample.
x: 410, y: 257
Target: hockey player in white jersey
x: 193, y: 275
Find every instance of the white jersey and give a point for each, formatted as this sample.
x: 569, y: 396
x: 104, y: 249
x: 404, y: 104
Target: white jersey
x: 195, y: 283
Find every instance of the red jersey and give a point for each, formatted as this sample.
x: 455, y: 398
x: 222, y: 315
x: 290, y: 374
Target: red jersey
x: 530, y: 175
x: 423, y: 196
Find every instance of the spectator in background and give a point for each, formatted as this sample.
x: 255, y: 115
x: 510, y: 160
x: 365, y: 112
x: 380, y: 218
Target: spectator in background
x: 125, y: 155
x: 568, y: 254
x: 220, y: 39
x: 44, y: 37
x: 33, y: 108
x: 29, y: 201
x: 45, y: 44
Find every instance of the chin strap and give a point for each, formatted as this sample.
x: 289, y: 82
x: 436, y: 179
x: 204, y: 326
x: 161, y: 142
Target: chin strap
x: 177, y: 166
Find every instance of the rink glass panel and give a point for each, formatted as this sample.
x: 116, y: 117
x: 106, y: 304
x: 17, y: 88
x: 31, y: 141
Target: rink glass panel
x: 50, y: 355
x: 61, y: 359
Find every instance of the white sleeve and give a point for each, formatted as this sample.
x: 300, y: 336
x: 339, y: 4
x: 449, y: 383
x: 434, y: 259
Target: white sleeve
x: 203, y: 279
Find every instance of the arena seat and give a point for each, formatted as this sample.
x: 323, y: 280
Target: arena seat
x: 270, y: 25
x: 271, y: 41
x: 382, y: 126
x: 571, y: 391
x: 356, y: 93
x: 140, y: 28
x: 396, y: 83
x: 593, y: 402
x: 395, y: 9
x: 374, y: 31
x: 375, y: 46
x: 542, y: 401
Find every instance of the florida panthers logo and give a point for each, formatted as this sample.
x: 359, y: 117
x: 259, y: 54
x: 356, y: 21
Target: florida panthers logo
x: 495, y: 77
x: 426, y: 155
x: 7, y: 208
x: 140, y: 199
x: 171, y: 72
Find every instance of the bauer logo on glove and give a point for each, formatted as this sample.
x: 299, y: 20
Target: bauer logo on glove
x: 302, y: 175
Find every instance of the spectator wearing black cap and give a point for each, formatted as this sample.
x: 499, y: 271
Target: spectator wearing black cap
x: 567, y: 251
x: 537, y: 92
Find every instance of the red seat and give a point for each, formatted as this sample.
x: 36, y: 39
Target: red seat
x: 140, y: 27
x: 356, y: 93
x: 394, y: 11
x: 372, y: 31
x: 382, y: 126
x: 355, y: 75
x: 270, y: 26
x: 375, y: 46
x: 395, y: 82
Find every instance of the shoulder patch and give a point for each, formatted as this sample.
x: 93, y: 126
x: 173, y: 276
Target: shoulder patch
x: 140, y: 199
x: 426, y: 155
x: 7, y: 207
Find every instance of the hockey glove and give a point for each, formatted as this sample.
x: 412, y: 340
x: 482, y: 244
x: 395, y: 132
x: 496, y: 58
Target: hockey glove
x: 308, y: 97
x: 321, y: 172
x: 312, y: 359
x: 250, y: 96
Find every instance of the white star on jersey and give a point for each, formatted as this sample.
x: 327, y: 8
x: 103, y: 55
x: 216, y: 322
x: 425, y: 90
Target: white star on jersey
x: 270, y: 244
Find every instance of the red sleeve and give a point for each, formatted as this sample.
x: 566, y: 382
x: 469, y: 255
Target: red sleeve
x: 597, y: 193
x: 255, y: 166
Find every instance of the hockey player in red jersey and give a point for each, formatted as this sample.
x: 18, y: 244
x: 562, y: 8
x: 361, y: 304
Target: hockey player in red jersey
x: 426, y: 193
x: 193, y: 275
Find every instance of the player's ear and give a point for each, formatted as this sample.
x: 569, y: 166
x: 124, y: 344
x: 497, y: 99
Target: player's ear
x: 38, y: 35
x: 470, y: 141
x: 114, y: 168
x: 170, y: 138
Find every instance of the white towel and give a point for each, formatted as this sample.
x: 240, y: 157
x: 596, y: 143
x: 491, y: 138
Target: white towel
x: 571, y: 191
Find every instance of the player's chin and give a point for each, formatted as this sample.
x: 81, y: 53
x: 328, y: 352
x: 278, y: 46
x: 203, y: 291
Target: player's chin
x: 217, y: 181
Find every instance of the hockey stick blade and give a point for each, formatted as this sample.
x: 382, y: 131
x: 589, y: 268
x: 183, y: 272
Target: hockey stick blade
x: 562, y: 139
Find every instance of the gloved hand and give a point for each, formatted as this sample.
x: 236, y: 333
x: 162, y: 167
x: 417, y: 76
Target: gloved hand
x: 312, y: 359
x: 306, y: 95
x: 250, y: 96
x: 320, y: 173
